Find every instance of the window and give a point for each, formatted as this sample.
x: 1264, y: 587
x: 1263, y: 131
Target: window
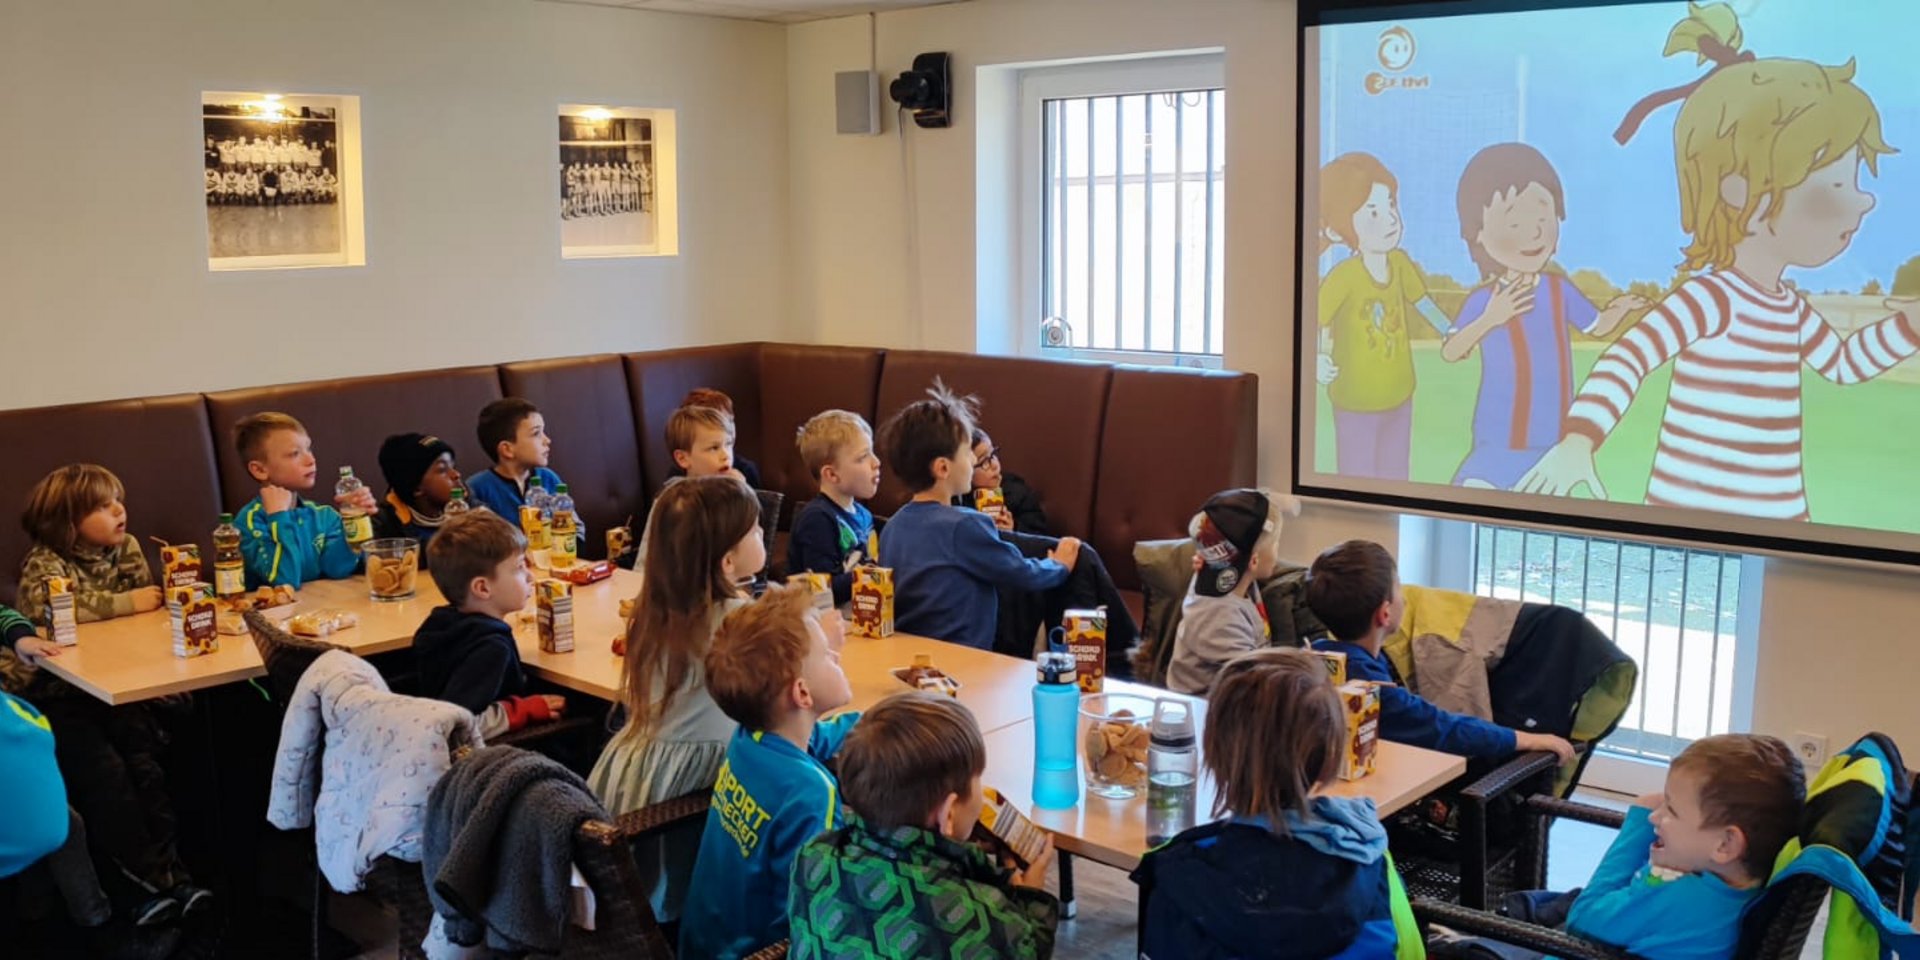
x: 1674, y: 610
x: 1127, y: 202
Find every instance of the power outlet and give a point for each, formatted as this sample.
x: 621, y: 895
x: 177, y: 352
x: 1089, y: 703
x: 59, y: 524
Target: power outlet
x: 1811, y: 748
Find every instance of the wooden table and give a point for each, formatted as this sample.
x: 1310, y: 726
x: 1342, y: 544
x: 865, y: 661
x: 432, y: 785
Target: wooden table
x: 1114, y: 832
x: 131, y: 658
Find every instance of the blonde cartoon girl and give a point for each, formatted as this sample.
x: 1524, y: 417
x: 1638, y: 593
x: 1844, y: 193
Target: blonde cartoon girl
x: 1768, y: 154
x: 1365, y: 358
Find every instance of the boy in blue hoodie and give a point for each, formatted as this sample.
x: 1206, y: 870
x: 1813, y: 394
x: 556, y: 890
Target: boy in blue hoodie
x: 514, y: 435
x: 1288, y: 874
x: 465, y: 650
x: 774, y: 668
x: 1354, y: 588
x: 286, y: 538
x: 948, y: 560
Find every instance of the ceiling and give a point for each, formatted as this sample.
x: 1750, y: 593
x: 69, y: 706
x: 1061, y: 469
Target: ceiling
x: 774, y: 11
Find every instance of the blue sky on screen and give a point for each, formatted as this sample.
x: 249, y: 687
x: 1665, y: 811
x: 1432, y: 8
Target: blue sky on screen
x: 1562, y: 80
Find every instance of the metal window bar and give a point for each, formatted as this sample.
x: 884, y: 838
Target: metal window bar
x: 1687, y: 603
x: 1070, y: 188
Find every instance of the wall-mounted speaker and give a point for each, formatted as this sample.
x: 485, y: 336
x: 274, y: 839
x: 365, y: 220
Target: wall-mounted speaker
x: 856, y: 102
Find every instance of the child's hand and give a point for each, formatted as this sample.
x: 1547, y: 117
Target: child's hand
x: 1326, y: 371
x: 361, y: 500
x: 1068, y: 552
x: 146, y: 599
x: 1564, y: 466
x: 1510, y: 300
x: 1003, y: 519
x: 556, y: 705
x: 1526, y: 742
x: 31, y: 649
x: 1035, y: 875
x: 1651, y: 801
x: 276, y: 499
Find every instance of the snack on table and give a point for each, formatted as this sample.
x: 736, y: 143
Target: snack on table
x: 1117, y: 749
x: 194, y: 617
x: 1086, y: 633
x: 923, y: 675
x: 393, y: 577
x: 1361, y: 702
x: 553, y: 608
x: 264, y: 598
x: 619, y: 541
x: 320, y: 624
x: 180, y: 564
x: 872, y: 602
x: 585, y: 572
x: 1003, y: 827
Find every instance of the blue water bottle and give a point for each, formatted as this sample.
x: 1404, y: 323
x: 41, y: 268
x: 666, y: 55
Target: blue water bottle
x: 1056, y: 742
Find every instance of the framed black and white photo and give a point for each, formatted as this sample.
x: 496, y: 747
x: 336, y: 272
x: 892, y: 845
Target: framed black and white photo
x: 282, y: 180
x: 616, y: 175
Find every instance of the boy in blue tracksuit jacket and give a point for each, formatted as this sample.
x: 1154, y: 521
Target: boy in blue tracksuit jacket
x: 948, y: 560
x: 774, y: 667
x: 285, y: 538
x: 1354, y: 588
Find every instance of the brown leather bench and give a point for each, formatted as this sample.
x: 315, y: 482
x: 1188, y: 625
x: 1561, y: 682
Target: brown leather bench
x: 1117, y: 453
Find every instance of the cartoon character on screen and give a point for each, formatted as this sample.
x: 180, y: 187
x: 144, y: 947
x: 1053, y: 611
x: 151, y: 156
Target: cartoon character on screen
x: 1768, y: 155
x: 1522, y: 314
x: 1365, y: 357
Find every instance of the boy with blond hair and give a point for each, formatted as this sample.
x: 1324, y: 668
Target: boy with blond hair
x: 833, y: 533
x: 774, y: 668
x: 901, y: 871
x: 701, y: 439
x: 285, y: 538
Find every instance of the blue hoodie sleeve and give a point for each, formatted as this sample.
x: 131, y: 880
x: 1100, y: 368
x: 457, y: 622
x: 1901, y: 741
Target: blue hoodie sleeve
x: 337, y: 559
x: 1407, y: 718
x: 815, y: 547
x: 978, y: 548
x: 828, y: 735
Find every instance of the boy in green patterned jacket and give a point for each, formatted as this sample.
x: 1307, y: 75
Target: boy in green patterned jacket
x: 910, y: 771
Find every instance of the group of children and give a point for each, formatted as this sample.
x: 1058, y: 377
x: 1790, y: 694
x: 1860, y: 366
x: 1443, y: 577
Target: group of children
x: 851, y: 833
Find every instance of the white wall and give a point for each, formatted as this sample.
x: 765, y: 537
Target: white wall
x: 104, y: 288
x: 1832, y: 656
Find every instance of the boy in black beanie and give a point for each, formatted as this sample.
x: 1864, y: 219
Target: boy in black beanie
x: 420, y: 480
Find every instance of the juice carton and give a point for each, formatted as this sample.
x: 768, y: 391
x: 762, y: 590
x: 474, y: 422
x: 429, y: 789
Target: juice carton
x: 1003, y: 827
x: 1361, y: 701
x: 194, y: 615
x: 1336, y: 664
x: 180, y: 565
x: 873, y: 601
x: 822, y: 586
x: 1086, y: 632
x: 553, y: 607
x: 991, y: 501
x: 63, y: 627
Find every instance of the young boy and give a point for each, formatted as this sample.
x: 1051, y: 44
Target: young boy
x: 287, y: 539
x: 774, y: 669
x: 701, y: 439
x: 1022, y: 512
x: 465, y: 650
x: 1354, y: 588
x: 709, y: 397
x: 1731, y: 802
x: 1237, y: 535
x: 900, y: 871
x: 833, y: 533
x: 421, y: 479
x: 947, y: 560
x: 514, y: 434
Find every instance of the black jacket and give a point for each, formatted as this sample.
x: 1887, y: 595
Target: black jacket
x: 467, y: 658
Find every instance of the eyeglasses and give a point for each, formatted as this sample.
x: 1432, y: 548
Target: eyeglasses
x: 993, y: 456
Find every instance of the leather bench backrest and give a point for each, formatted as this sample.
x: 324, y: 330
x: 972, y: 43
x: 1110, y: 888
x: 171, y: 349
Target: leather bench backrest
x: 159, y: 447
x: 658, y: 381
x: 587, y: 411
x: 1172, y: 438
x: 348, y: 419
x: 796, y: 383
x: 1044, y: 416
